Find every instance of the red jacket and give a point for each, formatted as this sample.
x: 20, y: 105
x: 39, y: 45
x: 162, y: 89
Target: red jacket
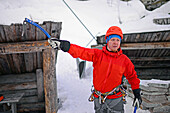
x: 108, y: 67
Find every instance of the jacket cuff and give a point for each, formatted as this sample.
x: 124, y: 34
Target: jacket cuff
x: 65, y: 45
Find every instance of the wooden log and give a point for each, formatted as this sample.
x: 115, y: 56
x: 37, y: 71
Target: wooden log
x: 40, y: 85
x: 50, y: 84
x: 23, y: 47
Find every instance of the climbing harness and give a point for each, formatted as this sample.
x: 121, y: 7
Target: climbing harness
x: 102, y: 96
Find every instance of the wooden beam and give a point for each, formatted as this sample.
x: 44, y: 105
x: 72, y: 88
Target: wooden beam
x: 137, y: 65
x: 137, y: 46
x: 150, y: 45
x: 149, y: 58
x: 23, y: 47
x: 50, y: 83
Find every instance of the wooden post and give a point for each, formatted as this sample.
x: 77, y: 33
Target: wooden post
x: 50, y: 84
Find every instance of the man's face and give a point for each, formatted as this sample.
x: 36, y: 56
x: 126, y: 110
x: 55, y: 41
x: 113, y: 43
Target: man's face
x: 113, y: 44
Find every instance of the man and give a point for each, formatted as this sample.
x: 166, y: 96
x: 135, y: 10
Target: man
x: 109, y: 65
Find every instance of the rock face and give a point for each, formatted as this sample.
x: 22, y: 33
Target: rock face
x: 153, y: 4
x: 156, y: 97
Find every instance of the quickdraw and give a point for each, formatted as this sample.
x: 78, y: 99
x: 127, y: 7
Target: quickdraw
x: 103, y: 96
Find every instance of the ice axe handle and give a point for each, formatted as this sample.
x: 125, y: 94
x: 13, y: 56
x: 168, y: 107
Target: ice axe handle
x: 135, y: 109
x: 33, y: 23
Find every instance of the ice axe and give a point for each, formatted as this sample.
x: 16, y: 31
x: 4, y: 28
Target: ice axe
x: 36, y: 25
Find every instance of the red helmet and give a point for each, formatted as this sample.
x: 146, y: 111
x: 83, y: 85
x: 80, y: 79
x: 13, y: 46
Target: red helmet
x: 114, y: 30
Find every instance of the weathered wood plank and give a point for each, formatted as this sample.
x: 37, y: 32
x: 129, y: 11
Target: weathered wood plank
x: 56, y: 29
x: 30, y: 99
x: 28, y: 62
x: 9, y: 33
x: 27, y: 92
x: 39, y: 106
x: 150, y: 58
x: 17, y: 78
x: 4, y: 65
x: 35, y: 60
x: 16, y: 61
x: 153, y: 45
x: 39, y: 60
x: 50, y: 86
x: 2, y: 34
x: 137, y: 46
x: 23, y: 47
x: 26, y: 85
x: 40, y: 85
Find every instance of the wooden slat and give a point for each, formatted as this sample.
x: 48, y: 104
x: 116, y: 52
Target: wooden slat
x: 30, y: 99
x: 138, y: 46
x: 17, y: 78
x: 153, y: 45
x: 23, y: 47
x: 27, y: 92
x: 40, y: 106
x: 150, y: 58
x: 2, y: 34
x: 28, y: 62
x: 4, y: 65
x: 56, y: 29
x: 16, y: 62
x: 40, y: 85
x: 26, y: 85
x: 148, y: 65
x: 39, y: 60
x: 9, y: 33
x: 50, y: 86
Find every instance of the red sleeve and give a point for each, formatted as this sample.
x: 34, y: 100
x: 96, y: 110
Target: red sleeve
x: 131, y: 75
x: 81, y: 52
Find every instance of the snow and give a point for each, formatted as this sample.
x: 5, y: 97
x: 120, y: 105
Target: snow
x: 155, y: 81
x: 98, y: 16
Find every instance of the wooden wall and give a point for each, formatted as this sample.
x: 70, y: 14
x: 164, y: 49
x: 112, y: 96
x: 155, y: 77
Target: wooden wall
x: 28, y: 83
x: 27, y: 64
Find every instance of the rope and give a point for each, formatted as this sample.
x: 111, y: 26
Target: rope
x: 79, y: 19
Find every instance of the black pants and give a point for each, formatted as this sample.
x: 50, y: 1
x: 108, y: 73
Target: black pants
x: 109, y: 106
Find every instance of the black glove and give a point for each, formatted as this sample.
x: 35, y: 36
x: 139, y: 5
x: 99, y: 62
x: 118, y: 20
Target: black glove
x: 137, y: 100
x: 55, y: 43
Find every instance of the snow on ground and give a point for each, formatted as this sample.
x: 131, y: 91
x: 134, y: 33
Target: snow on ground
x: 98, y: 16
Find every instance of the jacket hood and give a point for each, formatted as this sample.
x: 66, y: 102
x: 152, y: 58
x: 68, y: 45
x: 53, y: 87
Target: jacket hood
x: 114, y: 54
